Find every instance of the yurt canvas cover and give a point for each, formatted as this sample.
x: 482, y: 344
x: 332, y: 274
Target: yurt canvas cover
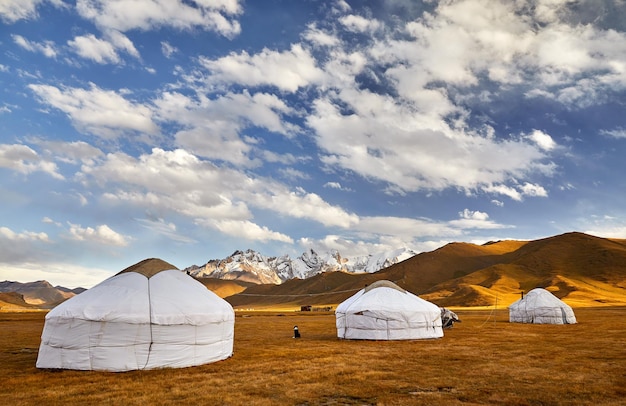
x: 148, y: 316
x: 384, y: 311
x: 541, y: 307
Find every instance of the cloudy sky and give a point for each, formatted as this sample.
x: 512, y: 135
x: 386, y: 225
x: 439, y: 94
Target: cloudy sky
x: 188, y: 129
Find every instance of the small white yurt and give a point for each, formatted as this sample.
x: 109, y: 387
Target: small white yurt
x: 385, y: 311
x: 150, y: 315
x: 541, y: 307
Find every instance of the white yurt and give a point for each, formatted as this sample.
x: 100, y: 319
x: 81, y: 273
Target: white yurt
x: 541, y: 307
x: 150, y: 315
x: 385, y: 311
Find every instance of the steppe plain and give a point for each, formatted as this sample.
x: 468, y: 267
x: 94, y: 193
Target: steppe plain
x: 482, y: 360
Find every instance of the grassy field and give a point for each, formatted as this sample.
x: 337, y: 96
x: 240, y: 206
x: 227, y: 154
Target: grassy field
x: 482, y: 360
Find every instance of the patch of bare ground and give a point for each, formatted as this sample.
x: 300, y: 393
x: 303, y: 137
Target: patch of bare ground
x: 482, y: 360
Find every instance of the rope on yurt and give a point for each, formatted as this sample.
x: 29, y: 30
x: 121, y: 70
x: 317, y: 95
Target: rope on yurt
x: 150, y: 311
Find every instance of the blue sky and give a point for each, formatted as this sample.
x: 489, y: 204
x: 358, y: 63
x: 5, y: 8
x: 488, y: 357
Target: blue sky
x: 186, y: 130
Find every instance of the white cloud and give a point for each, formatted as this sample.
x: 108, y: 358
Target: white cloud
x: 121, y: 41
x: 213, y: 128
x: 346, y: 247
x: 8, y: 234
x: 543, y: 140
x: 286, y: 159
x: 167, y: 229
x: 384, y: 233
x: 97, y: 50
x: 533, y: 190
x: 475, y: 220
x: 168, y: 49
x: 25, y: 160
x: 605, y: 226
x: 288, y: 70
x: 82, y: 200
x: 47, y: 47
x: 417, y: 152
x: 301, y: 205
x: 619, y: 132
x: 293, y: 174
x: 547, y: 11
x: 504, y: 190
x: 74, y: 152
x: 14, y: 10
x: 16, y: 247
x: 356, y: 23
x: 146, y: 15
x: 181, y: 182
x: 473, y: 215
x: 102, y: 234
x: 247, y: 230
x: 608, y: 232
x: 319, y: 37
x: 104, y: 113
x: 336, y: 185
x: 404, y: 228
x: 349, y: 248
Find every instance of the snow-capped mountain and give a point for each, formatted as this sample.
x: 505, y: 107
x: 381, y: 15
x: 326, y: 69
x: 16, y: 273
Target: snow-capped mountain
x: 251, y: 266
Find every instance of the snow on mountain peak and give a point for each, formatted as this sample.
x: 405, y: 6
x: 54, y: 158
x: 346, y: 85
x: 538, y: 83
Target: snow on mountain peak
x: 251, y: 266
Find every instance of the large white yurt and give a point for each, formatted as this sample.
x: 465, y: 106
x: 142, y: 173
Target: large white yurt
x: 385, y: 311
x: 150, y: 315
x: 540, y: 306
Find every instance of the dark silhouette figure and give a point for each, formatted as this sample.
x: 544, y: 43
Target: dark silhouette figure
x: 296, y: 332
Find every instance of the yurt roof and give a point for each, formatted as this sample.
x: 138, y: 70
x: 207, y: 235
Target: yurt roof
x: 538, y: 297
x: 149, y: 267
x: 383, y: 284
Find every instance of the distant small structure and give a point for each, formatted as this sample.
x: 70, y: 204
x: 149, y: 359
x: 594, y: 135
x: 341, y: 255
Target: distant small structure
x: 296, y: 332
x: 306, y: 308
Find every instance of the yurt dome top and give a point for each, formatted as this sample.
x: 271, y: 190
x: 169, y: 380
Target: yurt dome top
x: 149, y: 267
x: 384, y: 284
x: 539, y: 297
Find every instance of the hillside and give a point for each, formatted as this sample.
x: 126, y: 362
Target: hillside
x: 224, y: 288
x: 14, y: 302
x: 39, y: 293
x: 582, y: 270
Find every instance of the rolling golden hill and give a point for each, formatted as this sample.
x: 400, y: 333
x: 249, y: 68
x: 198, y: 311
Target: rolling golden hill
x: 223, y: 287
x: 581, y: 269
x: 14, y: 302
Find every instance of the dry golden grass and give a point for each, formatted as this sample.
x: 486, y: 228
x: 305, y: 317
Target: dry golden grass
x: 482, y: 360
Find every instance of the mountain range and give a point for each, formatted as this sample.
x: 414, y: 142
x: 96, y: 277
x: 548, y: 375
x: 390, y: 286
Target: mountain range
x: 33, y: 295
x: 251, y: 266
x: 581, y: 269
